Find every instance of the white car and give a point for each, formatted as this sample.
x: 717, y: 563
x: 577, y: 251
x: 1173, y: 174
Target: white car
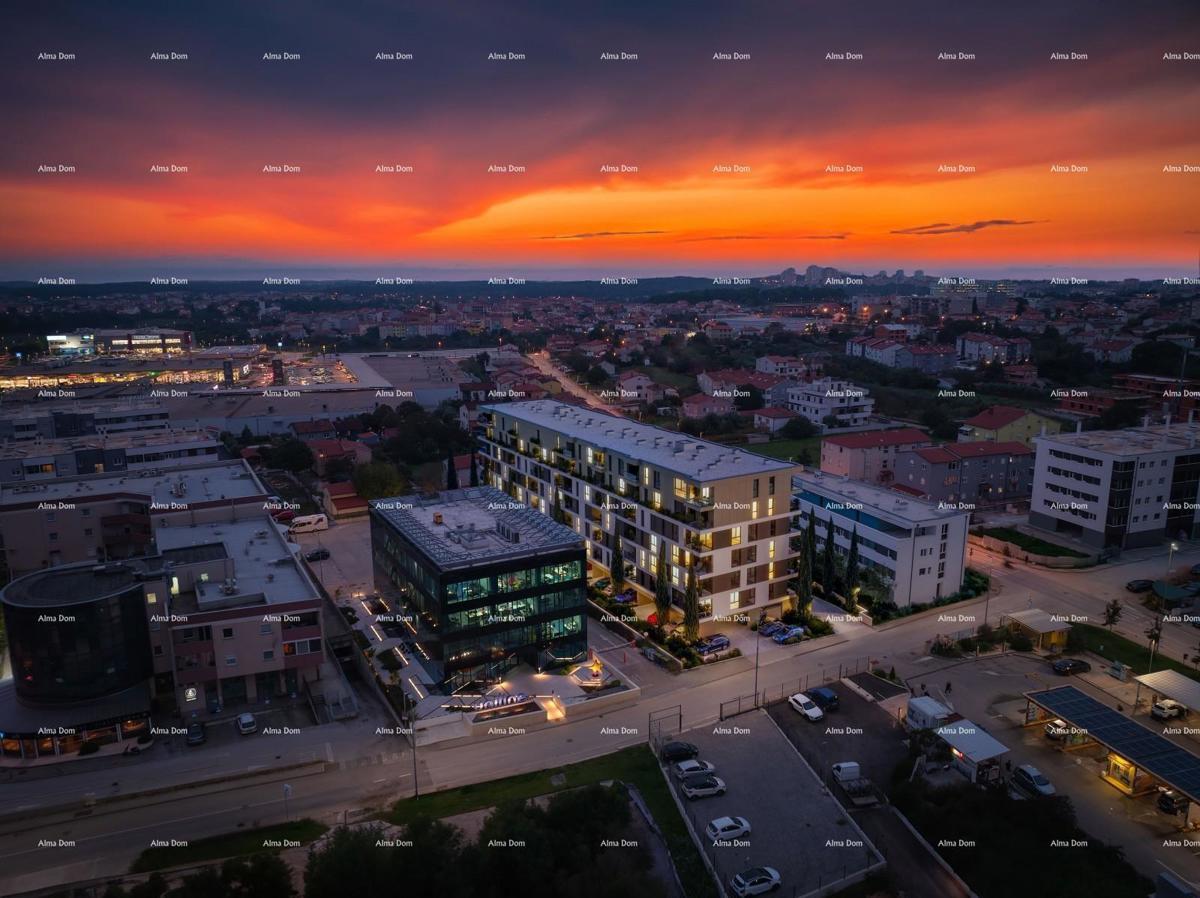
x: 806, y: 706
x: 246, y: 724
x: 755, y: 881
x: 1029, y: 780
x: 702, y: 785
x: 725, y: 828
x: 687, y: 768
x: 1167, y: 709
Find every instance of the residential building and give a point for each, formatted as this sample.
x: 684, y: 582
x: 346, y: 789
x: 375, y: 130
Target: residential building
x: 831, y: 399
x: 772, y: 419
x: 989, y: 348
x: 312, y: 431
x: 881, y: 350
x: 635, y: 387
x: 932, y: 359
x: 790, y: 367
x: 869, y: 456
x: 488, y: 581
x: 919, y: 548
x: 1093, y: 402
x: 29, y: 461
x: 723, y: 509
x: 698, y: 405
x: 968, y: 475
x: 1119, y: 488
x: 1006, y: 423
x: 730, y: 383
x: 33, y: 423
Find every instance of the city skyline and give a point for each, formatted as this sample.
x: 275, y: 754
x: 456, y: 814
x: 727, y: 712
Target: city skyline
x: 676, y: 113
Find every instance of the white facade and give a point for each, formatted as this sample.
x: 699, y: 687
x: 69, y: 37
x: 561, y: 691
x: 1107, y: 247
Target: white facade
x: 919, y: 547
x: 850, y: 403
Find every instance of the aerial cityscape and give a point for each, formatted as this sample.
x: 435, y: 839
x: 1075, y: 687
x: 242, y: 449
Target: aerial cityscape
x: 674, y: 451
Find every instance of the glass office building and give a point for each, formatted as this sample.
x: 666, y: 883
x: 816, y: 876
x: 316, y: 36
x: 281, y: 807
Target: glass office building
x: 485, y: 583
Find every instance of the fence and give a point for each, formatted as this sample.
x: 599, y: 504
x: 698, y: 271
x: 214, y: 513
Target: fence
x: 781, y: 691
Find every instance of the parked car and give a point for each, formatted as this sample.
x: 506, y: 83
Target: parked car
x: 678, y: 751
x: 702, y: 785
x: 627, y: 597
x: 1172, y: 802
x: 802, y: 704
x: 1139, y: 585
x: 1167, y: 709
x: 824, y: 698
x: 283, y: 516
x: 725, y: 828
x: 755, y: 881
x: 693, y: 766
x: 316, y: 555
x: 604, y: 585
x: 710, y: 645
x: 791, y: 634
x: 197, y: 734
x: 772, y: 628
x: 1064, y: 667
x: 246, y: 724
x: 1031, y: 781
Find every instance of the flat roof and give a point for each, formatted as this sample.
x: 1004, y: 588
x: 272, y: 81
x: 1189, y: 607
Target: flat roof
x: 1132, y: 441
x: 1175, y: 685
x: 696, y: 459
x: 873, y: 499
x: 971, y: 740
x: 19, y: 718
x: 264, y: 563
x: 158, y: 438
x: 1160, y: 757
x: 465, y: 527
x: 168, y: 486
x: 1037, y: 620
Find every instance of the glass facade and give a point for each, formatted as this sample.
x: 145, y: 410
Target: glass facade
x: 76, y: 652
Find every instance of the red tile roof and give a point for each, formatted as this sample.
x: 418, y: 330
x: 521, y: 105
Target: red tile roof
x: 874, y: 439
x: 996, y: 416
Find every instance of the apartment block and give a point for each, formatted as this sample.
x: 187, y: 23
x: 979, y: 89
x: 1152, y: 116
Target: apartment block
x: 919, y: 547
x: 968, y: 475
x: 869, y: 456
x: 827, y: 398
x: 1119, y: 488
x: 723, y: 509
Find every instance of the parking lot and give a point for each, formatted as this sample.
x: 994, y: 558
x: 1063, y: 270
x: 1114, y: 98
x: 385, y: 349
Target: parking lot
x: 796, y: 826
x: 989, y: 692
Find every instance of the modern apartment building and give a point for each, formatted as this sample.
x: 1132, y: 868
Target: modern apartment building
x: 1119, y: 488
x: 217, y: 617
x: 721, y: 508
x: 871, y: 455
x: 486, y: 581
x: 989, y: 348
x: 968, y: 475
x: 827, y: 398
x: 101, y: 517
x: 919, y: 547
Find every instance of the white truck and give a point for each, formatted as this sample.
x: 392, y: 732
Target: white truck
x: 309, y: 523
x: 858, y: 789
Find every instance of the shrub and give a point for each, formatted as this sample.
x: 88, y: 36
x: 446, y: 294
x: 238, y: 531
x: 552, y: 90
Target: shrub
x: 89, y: 748
x: 1020, y: 643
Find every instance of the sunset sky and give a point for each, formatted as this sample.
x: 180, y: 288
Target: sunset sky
x: 786, y: 112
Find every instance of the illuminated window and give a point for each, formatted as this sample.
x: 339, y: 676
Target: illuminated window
x: 770, y: 507
x: 151, y: 598
x: 754, y: 509
x: 735, y: 536
x: 681, y: 488
x: 657, y: 501
x: 771, y: 549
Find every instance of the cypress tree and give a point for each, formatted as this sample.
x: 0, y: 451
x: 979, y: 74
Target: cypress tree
x: 662, y: 587
x: 691, y: 605
x: 827, y: 564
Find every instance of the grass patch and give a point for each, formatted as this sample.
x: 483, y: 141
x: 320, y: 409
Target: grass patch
x: 636, y: 765
x: 1114, y: 647
x: 788, y: 449
x: 1030, y: 543
x: 235, y: 844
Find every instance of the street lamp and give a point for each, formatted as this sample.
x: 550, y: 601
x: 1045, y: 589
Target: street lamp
x: 1170, y: 555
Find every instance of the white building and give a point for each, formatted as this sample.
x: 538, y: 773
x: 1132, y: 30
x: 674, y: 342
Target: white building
x: 816, y: 401
x: 1119, y: 488
x: 919, y: 547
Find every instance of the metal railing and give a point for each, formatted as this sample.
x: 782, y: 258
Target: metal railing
x: 780, y: 691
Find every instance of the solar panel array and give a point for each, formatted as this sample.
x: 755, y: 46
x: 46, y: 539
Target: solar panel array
x: 1150, y: 751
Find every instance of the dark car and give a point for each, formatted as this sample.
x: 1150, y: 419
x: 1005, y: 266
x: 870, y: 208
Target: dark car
x: 824, y: 698
x: 316, y: 555
x: 678, y: 751
x: 1139, y: 585
x: 625, y: 598
x: 1172, y: 802
x: 196, y: 734
x: 718, y: 642
x: 1064, y: 667
x: 772, y: 628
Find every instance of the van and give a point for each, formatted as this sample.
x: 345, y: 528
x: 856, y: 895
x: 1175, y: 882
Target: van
x: 845, y: 771
x: 309, y: 523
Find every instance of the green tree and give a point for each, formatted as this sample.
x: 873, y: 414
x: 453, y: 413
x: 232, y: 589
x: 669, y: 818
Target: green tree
x: 798, y: 428
x: 259, y: 876
x: 803, y: 573
x: 349, y: 863
x: 810, y: 546
x: 617, y: 568
x: 474, y: 469
x: 691, y: 605
x: 1112, y: 613
x: 662, y: 587
x: 852, y: 568
x: 289, y: 454
x: 451, y: 471
x: 377, y: 480
x: 556, y: 510
x: 828, y: 566
x: 595, y: 376
x: 753, y: 398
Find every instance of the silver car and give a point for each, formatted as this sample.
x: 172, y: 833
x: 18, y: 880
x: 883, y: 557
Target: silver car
x: 687, y: 768
x: 755, y: 881
x: 702, y: 785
